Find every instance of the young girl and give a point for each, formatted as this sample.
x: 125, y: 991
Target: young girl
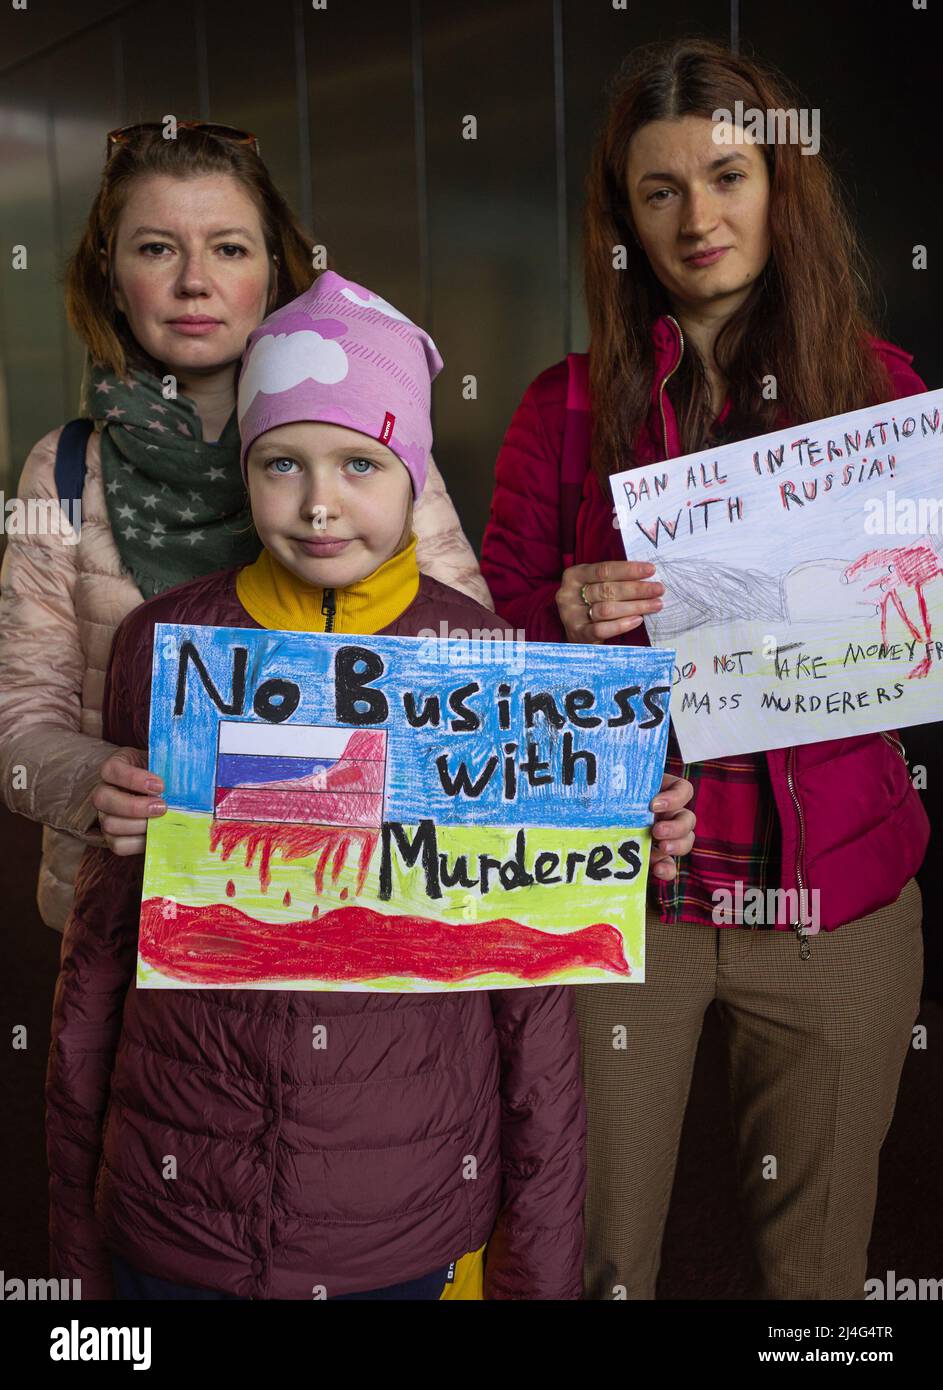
x: 198, y: 1145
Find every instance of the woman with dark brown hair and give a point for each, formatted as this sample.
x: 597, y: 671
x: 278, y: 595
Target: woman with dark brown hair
x: 187, y: 247
x: 726, y: 299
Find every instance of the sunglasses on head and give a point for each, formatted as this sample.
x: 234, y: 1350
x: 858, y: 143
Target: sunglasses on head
x: 224, y: 132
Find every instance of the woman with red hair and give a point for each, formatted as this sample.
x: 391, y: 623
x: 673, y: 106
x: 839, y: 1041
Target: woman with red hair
x: 725, y: 300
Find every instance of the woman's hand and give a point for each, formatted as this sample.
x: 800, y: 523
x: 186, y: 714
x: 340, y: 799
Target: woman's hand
x: 618, y: 594
x: 126, y: 798
x: 674, y: 828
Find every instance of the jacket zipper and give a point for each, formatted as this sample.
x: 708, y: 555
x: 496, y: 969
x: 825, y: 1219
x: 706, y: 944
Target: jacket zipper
x: 664, y: 434
x: 328, y: 608
x: 896, y: 744
x: 661, y: 389
x: 805, y: 950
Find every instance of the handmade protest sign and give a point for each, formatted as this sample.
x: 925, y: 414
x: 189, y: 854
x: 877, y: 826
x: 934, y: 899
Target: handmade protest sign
x: 803, y: 575
x: 397, y: 813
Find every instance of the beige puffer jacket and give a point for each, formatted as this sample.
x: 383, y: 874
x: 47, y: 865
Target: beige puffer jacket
x: 59, y: 609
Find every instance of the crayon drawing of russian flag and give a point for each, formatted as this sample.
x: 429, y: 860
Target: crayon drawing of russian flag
x: 308, y: 774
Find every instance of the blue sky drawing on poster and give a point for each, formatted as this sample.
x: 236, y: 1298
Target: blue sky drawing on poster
x: 455, y: 727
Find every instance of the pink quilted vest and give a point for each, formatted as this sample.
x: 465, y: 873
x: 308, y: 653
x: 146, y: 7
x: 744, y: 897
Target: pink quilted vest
x: 853, y: 825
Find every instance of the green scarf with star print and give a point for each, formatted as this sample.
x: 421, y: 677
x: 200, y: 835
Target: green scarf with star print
x: 178, y: 505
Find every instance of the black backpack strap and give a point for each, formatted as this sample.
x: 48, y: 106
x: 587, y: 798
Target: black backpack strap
x: 70, y: 461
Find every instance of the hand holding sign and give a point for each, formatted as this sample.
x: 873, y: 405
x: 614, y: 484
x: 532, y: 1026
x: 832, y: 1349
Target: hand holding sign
x: 126, y: 796
x: 601, y: 601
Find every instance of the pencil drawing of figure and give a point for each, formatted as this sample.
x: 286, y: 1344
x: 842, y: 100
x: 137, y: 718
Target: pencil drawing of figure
x: 701, y: 593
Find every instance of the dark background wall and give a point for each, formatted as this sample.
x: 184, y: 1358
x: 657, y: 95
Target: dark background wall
x: 359, y: 111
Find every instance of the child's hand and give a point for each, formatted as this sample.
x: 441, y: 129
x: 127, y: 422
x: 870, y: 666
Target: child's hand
x: 675, y: 827
x: 125, y: 798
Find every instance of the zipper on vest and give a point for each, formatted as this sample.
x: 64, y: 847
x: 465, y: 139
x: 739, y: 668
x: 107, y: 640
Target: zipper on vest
x: 661, y: 389
x: 664, y: 433
x: 894, y: 742
x: 805, y: 950
x: 328, y: 608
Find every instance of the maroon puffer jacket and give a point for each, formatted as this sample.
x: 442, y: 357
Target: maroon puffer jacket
x: 202, y: 1137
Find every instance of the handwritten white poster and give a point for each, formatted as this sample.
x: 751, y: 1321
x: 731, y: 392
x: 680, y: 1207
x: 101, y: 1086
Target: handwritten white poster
x: 803, y: 575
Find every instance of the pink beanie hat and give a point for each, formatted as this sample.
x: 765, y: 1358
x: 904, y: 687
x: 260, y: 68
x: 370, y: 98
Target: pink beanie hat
x: 341, y: 354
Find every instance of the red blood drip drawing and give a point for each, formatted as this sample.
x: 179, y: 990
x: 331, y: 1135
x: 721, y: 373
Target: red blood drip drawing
x: 222, y: 945
x: 331, y: 843
x: 230, y: 889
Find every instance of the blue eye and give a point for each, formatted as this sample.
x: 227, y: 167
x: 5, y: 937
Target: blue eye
x: 273, y: 464
x: 362, y: 472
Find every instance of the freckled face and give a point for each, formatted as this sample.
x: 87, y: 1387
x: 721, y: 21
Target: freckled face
x: 701, y: 211
x: 191, y: 270
x: 330, y: 503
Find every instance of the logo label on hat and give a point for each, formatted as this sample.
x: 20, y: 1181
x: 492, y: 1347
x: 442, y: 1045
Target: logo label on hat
x: 385, y: 433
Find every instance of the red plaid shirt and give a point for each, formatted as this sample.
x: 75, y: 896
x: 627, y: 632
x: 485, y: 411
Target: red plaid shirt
x: 737, y: 837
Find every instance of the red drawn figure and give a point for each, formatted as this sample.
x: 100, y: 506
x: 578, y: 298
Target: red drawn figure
x: 905, y: 567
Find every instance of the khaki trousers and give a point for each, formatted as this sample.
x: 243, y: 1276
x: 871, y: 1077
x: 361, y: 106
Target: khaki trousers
x: 815, y: 1052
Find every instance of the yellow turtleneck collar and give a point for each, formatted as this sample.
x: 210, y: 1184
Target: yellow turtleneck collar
x: 277, y: 598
